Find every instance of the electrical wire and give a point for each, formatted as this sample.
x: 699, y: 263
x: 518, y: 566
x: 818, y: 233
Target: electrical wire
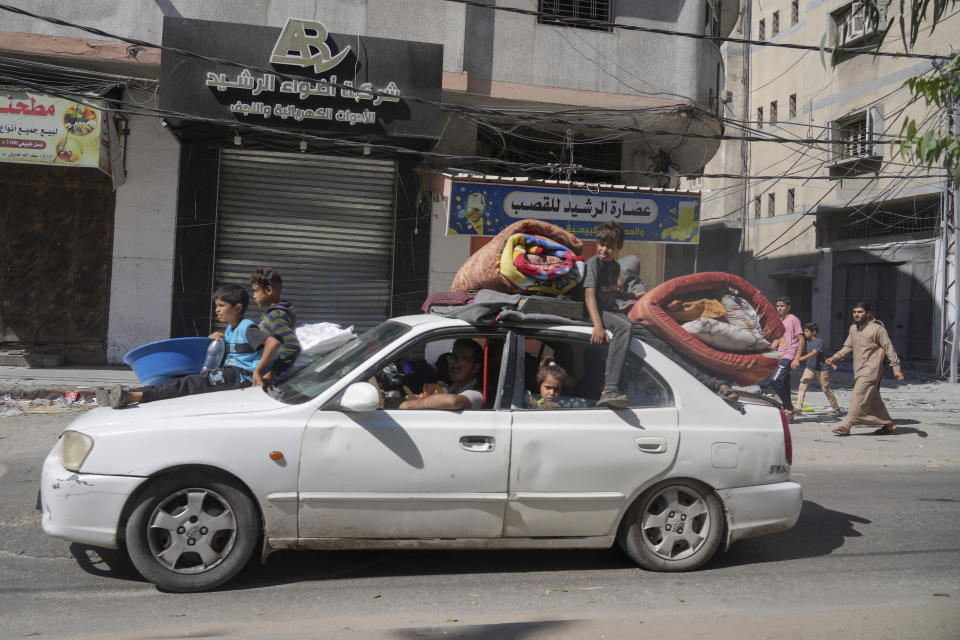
x: 692, y: 111
x: 603, y: 24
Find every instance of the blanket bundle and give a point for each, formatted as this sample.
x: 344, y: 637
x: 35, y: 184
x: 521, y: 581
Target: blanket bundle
x: 540, y: 265
x: 529, y: 256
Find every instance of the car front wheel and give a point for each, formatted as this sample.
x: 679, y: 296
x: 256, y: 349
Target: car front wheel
x: 676, y: 525
x: 191, y: 532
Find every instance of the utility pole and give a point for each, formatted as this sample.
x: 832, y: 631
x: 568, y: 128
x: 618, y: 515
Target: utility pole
x: 950, y: 283
x: 744, y: 147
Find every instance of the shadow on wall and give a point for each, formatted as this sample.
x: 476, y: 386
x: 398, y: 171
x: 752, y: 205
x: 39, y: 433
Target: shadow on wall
x: 666, y: 12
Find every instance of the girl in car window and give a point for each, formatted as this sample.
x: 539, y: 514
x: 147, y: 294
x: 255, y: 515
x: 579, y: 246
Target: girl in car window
x: 552, y: 380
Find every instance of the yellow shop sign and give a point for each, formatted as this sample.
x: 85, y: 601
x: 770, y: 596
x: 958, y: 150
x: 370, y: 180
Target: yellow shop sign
x: 42, y: 129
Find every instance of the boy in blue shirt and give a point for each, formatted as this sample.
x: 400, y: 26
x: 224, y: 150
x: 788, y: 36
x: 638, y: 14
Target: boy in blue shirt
x: 245, y: 343
x: 813, y: 368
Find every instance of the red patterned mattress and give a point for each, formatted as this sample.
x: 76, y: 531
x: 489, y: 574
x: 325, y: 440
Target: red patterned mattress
x: 742, y: 368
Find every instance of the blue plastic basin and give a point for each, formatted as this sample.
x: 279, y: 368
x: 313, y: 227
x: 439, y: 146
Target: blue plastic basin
x: 156, y: 362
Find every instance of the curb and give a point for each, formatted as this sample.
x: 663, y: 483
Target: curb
x: 46, y: 392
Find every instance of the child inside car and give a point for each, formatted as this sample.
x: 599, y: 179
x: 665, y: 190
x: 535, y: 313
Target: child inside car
x: 552, y: 381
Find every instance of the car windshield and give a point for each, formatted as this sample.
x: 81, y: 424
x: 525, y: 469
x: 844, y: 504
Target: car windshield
x: 319, y: 375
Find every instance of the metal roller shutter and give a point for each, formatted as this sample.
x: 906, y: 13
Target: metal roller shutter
x: 326, y: 222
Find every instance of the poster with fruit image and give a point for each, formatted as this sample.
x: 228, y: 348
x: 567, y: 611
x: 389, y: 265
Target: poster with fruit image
x: 38, y: 128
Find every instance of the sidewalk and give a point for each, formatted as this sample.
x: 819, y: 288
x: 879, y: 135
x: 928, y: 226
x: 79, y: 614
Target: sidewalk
x: 27, y: 383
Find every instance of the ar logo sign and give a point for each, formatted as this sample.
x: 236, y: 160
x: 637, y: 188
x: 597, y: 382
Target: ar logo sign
x: 302, y: 44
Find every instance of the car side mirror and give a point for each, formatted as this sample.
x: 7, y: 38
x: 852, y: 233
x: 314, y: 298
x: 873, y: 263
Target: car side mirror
x: 360, y: 396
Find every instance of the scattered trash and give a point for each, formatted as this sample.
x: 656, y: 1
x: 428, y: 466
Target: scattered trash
x: 68, y: 402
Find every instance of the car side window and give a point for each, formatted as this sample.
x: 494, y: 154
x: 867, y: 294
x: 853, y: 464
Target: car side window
x: 643, y: 386
x: 429, y: 367
x: 568, y: 374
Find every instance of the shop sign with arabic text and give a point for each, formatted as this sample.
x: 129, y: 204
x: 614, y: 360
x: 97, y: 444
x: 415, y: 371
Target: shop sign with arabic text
x: 320, y: 82
x: 38, y: 128
x: 485, y: 209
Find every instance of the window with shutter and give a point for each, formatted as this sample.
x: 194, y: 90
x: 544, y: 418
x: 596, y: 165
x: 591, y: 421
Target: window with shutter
x: 856, y: 140
x: 575, y: 13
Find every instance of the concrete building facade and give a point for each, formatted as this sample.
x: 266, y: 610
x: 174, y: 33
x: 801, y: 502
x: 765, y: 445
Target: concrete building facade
x: 611, y: 104
x: 838, y: 215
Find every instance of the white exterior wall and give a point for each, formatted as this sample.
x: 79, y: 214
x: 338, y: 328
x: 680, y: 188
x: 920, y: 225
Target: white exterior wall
x: 143, y: 239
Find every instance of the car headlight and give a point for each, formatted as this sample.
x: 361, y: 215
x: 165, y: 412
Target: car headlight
x: 75, y: 449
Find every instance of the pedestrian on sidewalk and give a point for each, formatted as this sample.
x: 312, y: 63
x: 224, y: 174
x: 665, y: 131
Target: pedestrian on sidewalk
x: 869, y: 343
x: 790, y: 346
x: 813, y: 368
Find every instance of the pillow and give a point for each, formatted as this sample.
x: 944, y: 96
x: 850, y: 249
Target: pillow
x: 726, y: 337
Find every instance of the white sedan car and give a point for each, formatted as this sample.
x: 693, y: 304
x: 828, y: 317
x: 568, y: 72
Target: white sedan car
x: 190, y: 488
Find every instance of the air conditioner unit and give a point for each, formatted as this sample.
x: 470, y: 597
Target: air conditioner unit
x: 726, y: 96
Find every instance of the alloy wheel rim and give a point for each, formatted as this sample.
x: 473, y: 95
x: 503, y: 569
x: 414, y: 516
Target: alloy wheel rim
x: 192, y: 530
x: 675, y: 523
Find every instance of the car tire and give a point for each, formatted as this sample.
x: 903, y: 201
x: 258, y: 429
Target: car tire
x: 191, y: 532
x: 676, y: 525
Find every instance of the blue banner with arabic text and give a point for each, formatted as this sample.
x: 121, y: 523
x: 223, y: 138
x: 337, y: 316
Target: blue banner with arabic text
x: 485, y: 209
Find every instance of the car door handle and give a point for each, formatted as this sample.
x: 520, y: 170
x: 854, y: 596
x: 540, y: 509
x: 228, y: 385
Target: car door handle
x: 652, y: 444
x: 477, y: 443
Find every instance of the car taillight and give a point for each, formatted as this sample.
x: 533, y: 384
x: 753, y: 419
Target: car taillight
x: 787, y: 441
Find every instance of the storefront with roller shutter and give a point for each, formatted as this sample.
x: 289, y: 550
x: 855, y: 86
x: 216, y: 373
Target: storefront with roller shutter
x: 306, y: 171
x: 325, y: 222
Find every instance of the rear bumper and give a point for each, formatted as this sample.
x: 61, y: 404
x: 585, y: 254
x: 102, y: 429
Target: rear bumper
x: 759, y: 510
x: 82, y: 507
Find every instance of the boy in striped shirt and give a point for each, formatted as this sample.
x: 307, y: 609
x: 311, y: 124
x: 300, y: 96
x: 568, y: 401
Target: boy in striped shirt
x: 277, y: 322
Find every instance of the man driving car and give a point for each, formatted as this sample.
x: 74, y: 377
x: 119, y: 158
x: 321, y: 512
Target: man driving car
x: 461, y: 393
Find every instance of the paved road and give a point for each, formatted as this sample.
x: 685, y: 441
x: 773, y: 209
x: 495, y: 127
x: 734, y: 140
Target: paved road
x: 876, y: 554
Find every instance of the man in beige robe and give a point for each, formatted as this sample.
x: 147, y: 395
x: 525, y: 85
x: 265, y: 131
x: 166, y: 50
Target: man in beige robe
x: 869, y: 343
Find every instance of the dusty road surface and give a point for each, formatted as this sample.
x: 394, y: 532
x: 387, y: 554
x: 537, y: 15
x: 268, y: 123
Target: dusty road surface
x: 876, y: 554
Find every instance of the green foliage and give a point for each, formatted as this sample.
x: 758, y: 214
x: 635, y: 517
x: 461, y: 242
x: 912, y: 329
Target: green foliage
x: 933, y: 145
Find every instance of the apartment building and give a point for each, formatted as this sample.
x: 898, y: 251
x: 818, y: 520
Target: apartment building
x: 838, y: 215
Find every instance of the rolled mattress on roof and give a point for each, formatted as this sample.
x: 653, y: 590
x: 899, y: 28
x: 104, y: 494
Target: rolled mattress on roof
x: 742, y: 368
x: 482, y: 269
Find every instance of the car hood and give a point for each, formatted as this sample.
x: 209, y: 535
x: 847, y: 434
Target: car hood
x: 237, y: 401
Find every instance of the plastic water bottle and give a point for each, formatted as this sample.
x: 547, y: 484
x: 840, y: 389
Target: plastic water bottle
x: 215, y: 351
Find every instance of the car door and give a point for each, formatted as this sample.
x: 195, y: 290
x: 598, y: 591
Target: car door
x: 415, y: 473
x: 573, y: 468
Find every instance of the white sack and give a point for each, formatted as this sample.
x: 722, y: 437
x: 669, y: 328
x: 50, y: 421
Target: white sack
x: 322, y: 337
x: 726, y: 337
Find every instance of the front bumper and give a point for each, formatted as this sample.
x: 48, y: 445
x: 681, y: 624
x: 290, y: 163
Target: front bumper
x: 763, y: 509
x: 82, y: 507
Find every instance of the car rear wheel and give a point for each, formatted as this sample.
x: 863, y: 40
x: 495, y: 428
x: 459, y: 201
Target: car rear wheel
x: 676, y: 525
x: 191, y: 533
